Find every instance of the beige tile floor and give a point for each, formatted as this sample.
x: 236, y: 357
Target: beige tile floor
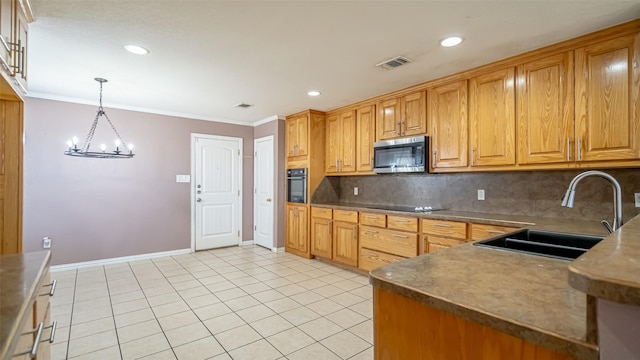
x: 233, y: 303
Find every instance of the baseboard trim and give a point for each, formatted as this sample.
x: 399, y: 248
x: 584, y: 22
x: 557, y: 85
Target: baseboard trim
x: 247, y: 242
x: 84, y: 264
x: 277, y: 250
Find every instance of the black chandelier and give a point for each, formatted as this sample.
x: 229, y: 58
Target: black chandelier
x: 103, y: 154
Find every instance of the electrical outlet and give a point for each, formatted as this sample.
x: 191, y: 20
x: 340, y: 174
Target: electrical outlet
x: 355, y: 190
x: 183, y: 178
x: 637, y: 198
x: 46, y: 242
x: 480, y: 194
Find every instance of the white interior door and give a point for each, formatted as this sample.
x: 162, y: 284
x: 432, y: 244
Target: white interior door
x: 216, y: 186
x: 263, y: 200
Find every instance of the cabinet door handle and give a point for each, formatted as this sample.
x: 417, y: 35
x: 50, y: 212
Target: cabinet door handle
x: 355, y: 232
x: 372, y: 254
x: 579, y: 149
x: 473, y: 156
x: 371, y: 231
x: 568, y: 149
x: 371, y: 217
x: 34, y: 349
x: 400, y: 236
x: 442, y: 225
x: 435, y: 156
x: 399, y: 131
x: 53, y: 327
x: 53, y: 288
x: 396, y: 260
x: 401, y: 221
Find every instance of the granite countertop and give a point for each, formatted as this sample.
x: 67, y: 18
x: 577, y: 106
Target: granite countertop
x: 530, y: 222
x: 611, y: 269
x: 523, y: 295
x: 19, y: 278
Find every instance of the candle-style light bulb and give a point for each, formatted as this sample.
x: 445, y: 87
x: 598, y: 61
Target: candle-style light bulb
x: 103, y: 147
x: 130, y: 147
x: 75, y: 140
x: 69, y: 144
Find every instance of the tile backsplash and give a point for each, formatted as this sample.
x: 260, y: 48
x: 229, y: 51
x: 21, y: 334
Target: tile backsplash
x: 535, y: 193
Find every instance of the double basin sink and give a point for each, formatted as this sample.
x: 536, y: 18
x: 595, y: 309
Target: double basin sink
x: 543, y: 243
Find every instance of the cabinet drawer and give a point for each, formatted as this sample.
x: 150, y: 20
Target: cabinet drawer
x: 481, y: 232
x: 373, y: 219
x: 371, y: 259
x: 344, y: 215
x: 453, y: 229
x: 434, y: 243
x: 390, y: 241
x: 402, y: 223
x: 322, y: 213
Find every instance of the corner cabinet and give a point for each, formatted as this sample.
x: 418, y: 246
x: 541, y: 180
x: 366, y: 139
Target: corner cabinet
x: 447, y: 110
x: 402, y: 116
x: 492, y: 118
x: 608, y: 100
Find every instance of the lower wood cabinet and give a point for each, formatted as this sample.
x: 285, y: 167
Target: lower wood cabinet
x: 482, y: 231
x: 334, y: 235
x: 386, y: 239
x: 443, y: 234
x: 297, y: 224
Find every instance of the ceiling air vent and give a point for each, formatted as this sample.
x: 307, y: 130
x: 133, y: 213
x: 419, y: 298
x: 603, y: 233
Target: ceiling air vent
x: 243, y: 106
x: 394, y: 62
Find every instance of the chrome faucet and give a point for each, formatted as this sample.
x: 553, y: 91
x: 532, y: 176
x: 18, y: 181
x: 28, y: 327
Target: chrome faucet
x: 617, y: 197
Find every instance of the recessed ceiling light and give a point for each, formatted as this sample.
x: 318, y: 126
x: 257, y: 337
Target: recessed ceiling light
x: 313, y: 93
x: 450, y: 41
x: 135, y: 49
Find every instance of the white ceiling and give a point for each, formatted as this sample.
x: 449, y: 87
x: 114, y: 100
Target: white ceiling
x: 207, y: 56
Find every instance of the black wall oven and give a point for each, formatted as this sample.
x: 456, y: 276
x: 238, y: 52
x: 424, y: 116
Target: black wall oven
x: 297, y: 185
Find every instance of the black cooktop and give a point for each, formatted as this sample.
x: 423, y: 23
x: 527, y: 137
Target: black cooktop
x: 405, y: 208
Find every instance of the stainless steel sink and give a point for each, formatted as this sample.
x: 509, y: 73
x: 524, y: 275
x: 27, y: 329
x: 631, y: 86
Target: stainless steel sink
x: 543, y: 243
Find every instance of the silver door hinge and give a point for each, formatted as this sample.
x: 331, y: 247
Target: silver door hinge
x: 238, y: 192
x: 238, y: 151
x: 238, y: 233
x: 255, y: 227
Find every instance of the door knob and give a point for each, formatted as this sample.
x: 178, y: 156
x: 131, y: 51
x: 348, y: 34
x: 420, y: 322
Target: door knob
x: 198, y: 200
x: 269, y: 200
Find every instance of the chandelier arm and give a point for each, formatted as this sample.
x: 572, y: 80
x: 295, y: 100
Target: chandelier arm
x: 92, y: 130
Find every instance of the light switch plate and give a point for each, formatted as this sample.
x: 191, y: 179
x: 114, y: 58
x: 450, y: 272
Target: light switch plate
x: 355, y: 190
x: 183, y: 178
x: 637, y: 198
x: 480, y: 194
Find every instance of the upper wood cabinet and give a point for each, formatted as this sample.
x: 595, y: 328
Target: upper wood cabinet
x: 7, y: 21
x: 15, y: 16
x: 365, y: 137
x: 447, y: 109
x: 402, y: 116
x: 341, y: 142
x: 297, y: 138
x: 492, y: 118
x: 545, y: 110
x: 607, y: 100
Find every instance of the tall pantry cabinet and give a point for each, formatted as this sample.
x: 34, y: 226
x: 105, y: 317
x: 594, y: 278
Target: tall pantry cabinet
x: 14, y: 18
x: 305, y: 137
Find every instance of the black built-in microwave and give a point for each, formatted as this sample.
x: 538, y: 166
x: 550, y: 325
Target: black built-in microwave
x: 401, y: 155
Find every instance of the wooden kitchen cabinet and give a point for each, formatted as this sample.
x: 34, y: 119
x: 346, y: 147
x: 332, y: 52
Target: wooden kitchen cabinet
x: 385, y: 239
x: 365, y: 137
x: 21, y: 40
x: 402, y: 116
x: 447, y: 111
x: 545, y: 89
x: 341, y: 143
x: 345, y: 242
x: 297, y: 139
x: 321, y: 232
x: 442, y: 234
x: 492, y: 118
x: 297, y: 220
x: 7, y: 21
x: 608, y: 99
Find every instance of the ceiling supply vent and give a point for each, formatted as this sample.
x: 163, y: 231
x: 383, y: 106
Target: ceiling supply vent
x: 243, y: 106
x: 394, y: 62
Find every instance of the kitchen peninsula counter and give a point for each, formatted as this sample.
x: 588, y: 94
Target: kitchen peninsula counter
x: 20, y: 280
